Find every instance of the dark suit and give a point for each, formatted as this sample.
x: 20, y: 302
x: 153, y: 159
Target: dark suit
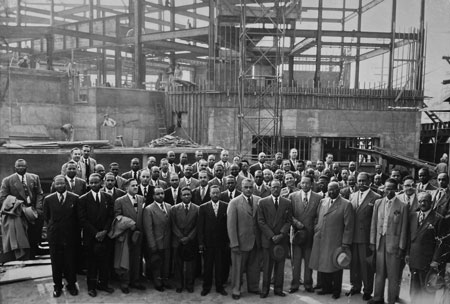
x: 79, y: 186
x: 263, y: 192
x: 130, y: 174
x: 157, y: 231
x: 165, y: 178
x: 168, y: 196
x: 274, y: 221
x: 360, y: 270
x: 347, y: 191
x: 441, y: 204
x: 159, y: 183
x: 212, y: 234
x: 255, y: 167
x: 427, y: 187
x: 192, y: 183
x: 124, y: 206
x: 148, y: 199
x: 422, y: 250
x: 216, y: 182
x: 62, y: 225
x: 95, y: 217
x: 184, y: 226
x: 197, y: 197
x: 12, y: 185
x: 116, y: 193
x: 92, y: 163
x: 306, y: 215
x: 225, y: 196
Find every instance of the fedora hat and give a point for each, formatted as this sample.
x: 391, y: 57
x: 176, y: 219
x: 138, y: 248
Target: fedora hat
x: 30, y: 214
x: 342, y: 258
x: 433, y: 281
x: 300, y: 237
x: 278, y: 252
x: 187, y: 251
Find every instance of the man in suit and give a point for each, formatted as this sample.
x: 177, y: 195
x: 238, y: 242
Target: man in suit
x: 114, y: 168
x: 322, y: 186
x: 213, y: 241
x: 60, y: 212
x: 224, y: 155
x: 164, y: 173
x: 423, y: 246
x: 424, y: 180
x: 397, y: 175
x: 231, y: 192
x: 184, y: 236
x: 260, y: 165
x: 409, y: 194
x: 26, y: 187
x: 289, y: 180
x: 200, y: 195
x: 304, y: 216
x: 320, y: 166
x: 361, y: 271
x: 188, y: 180
x: 73, y: 183
x: 245, y: 242
x: 218, y: 179
x: 336, y: 172
x: 274, y: 219
x: 260, y: 189
x: 351, y: 188
x: 334, y: 230
x: 328, y: 161
x: 234, y: 172
x: 267, y: 177
x: 352, y: 169
x: 388, y: 239
x: 75, y: 156
x: 172, y: 195
x: 109, y: 188
x: 96, y: 212
x: 173, y: 167
x: 183, y: 163
x: 203, y: 166
x: 151, y: 162
x: 157, y: 231
x: 131, y: 205
x: 144, y: 188
x: 198, y: 156
x: 293, y: 154
x: 155, y: 181
x: 211, y: 162
x: 379, y: 171
x: 87, y: 163
x: 441, y: 196
x: 276, y: 163
x: 135, y: 171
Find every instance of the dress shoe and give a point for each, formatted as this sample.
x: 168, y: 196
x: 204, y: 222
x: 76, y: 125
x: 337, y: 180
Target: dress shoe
x: 159, y: 288
x: 254, y: 291
x: 125, y: 290
x: 324, y: 292
x: 352, y: 292
x: 372, y: 301
x: 309, y: 289
x: 236, y: 297
x: 264, y: 295
x: 336, y: 296
x: 105, y: 288
x: 179, y: 290
x: 279, y: 293
x: 292, y: 290
x: 92, y: 293
x: 190, y: 289
x: 72, y: 290
x: 57, y: 293
x: 138, y: 286
x: 317, y: 287
x: 367, y: 297
x: 167, y: 286
x: 222, y: 292
x: 398, y: 300
x: 204, y: 292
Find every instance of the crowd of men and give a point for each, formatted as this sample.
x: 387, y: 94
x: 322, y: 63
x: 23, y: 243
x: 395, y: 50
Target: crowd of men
x: 173, y: 222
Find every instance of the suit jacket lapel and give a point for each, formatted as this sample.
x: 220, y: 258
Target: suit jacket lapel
x: 333, y: 207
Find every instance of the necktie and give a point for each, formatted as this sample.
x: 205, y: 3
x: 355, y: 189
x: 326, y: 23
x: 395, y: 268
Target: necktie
x: 88, y: 168
x: 186, y: 209
x: 162, y: 208
x: 421, y: 218
x: 61, y: 199
x: 72, y: 183
x: 97, y: 199
x: 135, y: 175
x: 276, y: 203
x: 408, y: 201
x: 25, y: 187
x: 188, y: 181
x: 115, y: 184
x: 135, y: 204
x: 174, y: 194
x: 145, y: 191
x: 231, y: 196
x: 439, y: 195
x: 215, y: 207
x: 203, y: 192
x: 250, y: 202
x: 305, y: 200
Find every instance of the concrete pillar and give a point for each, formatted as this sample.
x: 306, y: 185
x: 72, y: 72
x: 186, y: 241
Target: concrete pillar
x: 316, y: 149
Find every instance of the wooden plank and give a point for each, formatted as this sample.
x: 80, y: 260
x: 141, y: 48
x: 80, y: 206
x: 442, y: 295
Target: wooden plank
x: 178, y: 34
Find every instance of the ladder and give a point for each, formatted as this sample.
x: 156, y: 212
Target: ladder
x: 161, y: 117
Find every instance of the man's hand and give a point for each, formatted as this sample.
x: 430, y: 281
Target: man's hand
x: 100, y: 235
x: 434, y: 265
x: 299, y: 225
x: 345, y: 246
x: 407, y: 259
x: 236, y: 250
x: 184, y: 240
x: 372, y: 247
x: 277, y: 238
x: 201, y: 248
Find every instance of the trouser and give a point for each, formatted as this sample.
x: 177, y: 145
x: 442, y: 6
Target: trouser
x: 160, y: 271
x: 361, y: 271
x: 62, y: 259
x: 299, y: 253
x: 98, y: 263
x: 387, y: 266
x: 332, y: 282
x: 417, y: 288
x: 278, y: 268
x: 248, y: 262
x: 184, y: 271
x: 214, y: 261
x: 132, y: 275
x: 226, y: 264
x: 34, y: 232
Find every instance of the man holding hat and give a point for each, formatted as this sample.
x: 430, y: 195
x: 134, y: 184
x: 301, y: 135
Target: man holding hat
x: 274, y: 219
x: 423, y: 246
x: 334, y: 233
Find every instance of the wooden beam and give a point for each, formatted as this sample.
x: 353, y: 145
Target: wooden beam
x: 179, y: 34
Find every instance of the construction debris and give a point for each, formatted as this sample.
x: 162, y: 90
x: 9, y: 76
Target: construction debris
x: 172, y: 141
x: 59, y: 144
